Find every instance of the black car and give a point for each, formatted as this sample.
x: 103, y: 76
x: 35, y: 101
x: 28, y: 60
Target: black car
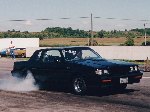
x: 77, y: 67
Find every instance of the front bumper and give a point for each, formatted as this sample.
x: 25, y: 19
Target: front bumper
x: 111, y: 80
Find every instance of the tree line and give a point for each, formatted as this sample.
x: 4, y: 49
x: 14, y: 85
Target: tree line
x: 58, y: 32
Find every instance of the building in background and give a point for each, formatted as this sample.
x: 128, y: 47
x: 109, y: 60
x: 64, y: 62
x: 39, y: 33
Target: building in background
x: 20, y: 46
x: 19, y: 42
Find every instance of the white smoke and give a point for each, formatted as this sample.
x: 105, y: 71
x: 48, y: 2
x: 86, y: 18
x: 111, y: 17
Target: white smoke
x: 19, y: 85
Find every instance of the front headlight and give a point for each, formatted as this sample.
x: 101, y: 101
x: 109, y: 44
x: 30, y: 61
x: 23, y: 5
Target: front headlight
x: 106, y: 72
x: 100, y: 72
x: 131, y: 69
x: 135, y: 68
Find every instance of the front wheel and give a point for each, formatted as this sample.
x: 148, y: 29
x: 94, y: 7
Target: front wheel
x: 23, y: 55
x: 79, y: 86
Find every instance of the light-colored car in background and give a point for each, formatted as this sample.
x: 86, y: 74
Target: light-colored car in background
x: 19, y: 52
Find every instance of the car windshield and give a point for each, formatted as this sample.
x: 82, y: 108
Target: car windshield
x: 77, y: 54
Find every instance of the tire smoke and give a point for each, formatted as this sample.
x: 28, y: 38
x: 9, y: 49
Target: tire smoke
x: 19, y: 85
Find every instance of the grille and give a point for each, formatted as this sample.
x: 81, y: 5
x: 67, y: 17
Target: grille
x: 119, y: 70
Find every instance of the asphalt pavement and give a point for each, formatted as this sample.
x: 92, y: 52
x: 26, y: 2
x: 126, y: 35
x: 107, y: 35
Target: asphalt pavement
x: 136, y: 98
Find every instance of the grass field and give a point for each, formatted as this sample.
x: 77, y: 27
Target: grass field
x: 84, y: 41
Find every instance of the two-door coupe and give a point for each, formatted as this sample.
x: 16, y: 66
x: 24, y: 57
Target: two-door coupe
x: 77, y: 67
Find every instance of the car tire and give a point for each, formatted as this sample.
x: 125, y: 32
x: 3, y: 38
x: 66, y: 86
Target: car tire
x: 79, y: 86
x: 18, y: 74
x: 23, y: 55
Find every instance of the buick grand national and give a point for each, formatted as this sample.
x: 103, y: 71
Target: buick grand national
x: 79, y: 68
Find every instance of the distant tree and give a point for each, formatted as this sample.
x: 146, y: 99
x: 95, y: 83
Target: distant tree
x: 147, y: 43
x: 25, y: 32
x: 93, y: 42
x: 100, y: 34
x: 1, y: 35
x: 5, y: 35
x: 57, y: 32
x: 129, y: 40
x: 142, y: 31
x: 115, y: 31
x: 13, y: 30
x: 65, y: 32
x: 8, y: 31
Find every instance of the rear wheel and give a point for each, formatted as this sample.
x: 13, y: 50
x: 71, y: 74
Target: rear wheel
x: 18, y: 74
x: 22, y: 74
x: 79, y: 86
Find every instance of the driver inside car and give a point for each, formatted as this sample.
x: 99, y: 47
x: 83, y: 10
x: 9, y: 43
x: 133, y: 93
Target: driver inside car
x: 78, y: 55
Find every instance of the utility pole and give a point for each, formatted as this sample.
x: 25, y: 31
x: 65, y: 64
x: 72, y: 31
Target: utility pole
x: 145, y: 33
x: 91, y: 29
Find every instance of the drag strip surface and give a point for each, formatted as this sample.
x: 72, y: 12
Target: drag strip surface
x: 135, y: 98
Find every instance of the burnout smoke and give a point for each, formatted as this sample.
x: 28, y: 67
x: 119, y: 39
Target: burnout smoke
x: 16, y: 84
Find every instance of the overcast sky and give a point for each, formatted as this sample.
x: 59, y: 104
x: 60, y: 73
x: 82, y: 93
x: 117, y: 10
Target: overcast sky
x: 30, y: 10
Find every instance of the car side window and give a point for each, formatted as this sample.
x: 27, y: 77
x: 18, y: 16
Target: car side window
x: 51, y: 56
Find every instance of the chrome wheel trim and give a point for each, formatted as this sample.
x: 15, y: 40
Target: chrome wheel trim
x: 79, y: 85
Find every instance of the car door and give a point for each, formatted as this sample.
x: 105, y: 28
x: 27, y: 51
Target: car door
x: 53, y: 68
x: 34, y: 64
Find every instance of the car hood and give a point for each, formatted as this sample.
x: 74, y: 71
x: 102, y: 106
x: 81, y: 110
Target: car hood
x: 103, y: 63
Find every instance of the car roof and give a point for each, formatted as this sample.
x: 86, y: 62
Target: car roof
x: 65, y: 48
x: 62, y: 48
x: 20, y: 48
